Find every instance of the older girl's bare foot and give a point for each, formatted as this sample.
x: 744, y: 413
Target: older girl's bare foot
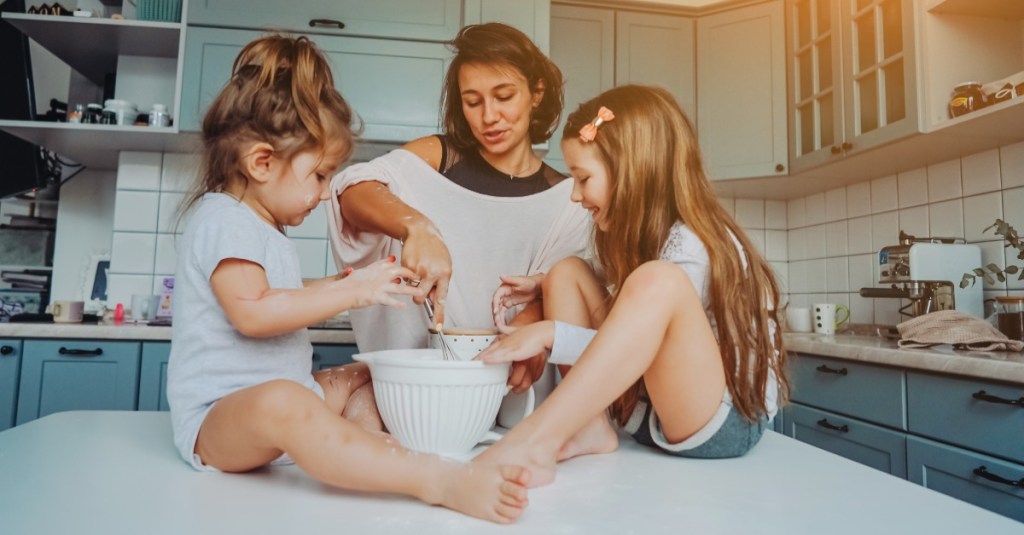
x: 540, y: 464
x: 598, y: 436
x: 488, y: 491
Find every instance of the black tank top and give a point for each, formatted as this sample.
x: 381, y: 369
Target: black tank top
x: 470, y: 170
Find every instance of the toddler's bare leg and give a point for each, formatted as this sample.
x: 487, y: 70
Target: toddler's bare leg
x: 253, y: 426
x: 348, y: 390
x: 656, y: 330
x: 361, y: 409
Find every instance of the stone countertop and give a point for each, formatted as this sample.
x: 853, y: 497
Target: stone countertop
x: 996, y: 365
x: 136, y: 331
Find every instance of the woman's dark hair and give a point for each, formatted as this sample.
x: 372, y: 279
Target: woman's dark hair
x: 499, y: 44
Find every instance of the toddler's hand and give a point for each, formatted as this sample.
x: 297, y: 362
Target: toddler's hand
x: 514, y: 291
x: 379, y: 282
x: 526, y: 342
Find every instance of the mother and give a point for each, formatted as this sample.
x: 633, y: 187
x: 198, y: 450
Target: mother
x: 466, y: 207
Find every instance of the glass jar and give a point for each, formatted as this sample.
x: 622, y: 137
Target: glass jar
x: 1010, y: 316
x: 967, y: 97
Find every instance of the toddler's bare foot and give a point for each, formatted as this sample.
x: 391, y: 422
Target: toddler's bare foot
x: 488, y: 491
x: 361, y: 409
x: 597, y: 436
x: 537, y: 460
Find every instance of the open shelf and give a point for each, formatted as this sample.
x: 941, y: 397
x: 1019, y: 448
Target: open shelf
x: 91, y: 45
x: 1000, y: 9
x: 97, y: 145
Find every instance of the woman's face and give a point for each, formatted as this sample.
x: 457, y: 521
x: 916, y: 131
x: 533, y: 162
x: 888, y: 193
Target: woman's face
x: 590, y: 183
x: 497, y: 103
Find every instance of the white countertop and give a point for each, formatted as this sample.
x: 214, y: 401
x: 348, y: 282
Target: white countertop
x: 118, y: 472
x: 996, y: 365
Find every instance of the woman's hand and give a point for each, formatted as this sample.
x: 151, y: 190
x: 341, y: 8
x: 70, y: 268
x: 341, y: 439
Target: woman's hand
x: 525, y: 343
x: 427, y: 257
x: 378, y: 283
x: 514, y: 291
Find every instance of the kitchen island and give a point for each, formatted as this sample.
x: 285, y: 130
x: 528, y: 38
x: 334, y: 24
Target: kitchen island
x: 89, y: 472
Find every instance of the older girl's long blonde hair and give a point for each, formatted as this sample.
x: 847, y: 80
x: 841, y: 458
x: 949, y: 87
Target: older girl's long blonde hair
x: 656, y: 179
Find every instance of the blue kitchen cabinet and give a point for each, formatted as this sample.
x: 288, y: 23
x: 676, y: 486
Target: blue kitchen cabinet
x: 394, y: 86
x: 153, y: 376
x: 985, y: 481
x: 63, y: 375
x: 871, y: 445
x: 10, y: 363
x: 332, y: 355
x: 430, y: 20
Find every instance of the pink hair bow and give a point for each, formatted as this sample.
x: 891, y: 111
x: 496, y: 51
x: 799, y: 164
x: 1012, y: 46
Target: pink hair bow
x: 589, y: 130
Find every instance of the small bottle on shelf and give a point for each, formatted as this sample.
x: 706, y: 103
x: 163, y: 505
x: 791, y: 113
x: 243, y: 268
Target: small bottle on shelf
x: 76, y: 115
x: 158, y: 116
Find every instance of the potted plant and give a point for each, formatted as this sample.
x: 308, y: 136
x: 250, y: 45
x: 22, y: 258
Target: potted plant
x: 992, y: 272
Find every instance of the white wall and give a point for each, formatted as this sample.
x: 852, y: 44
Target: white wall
x: 85, y: 219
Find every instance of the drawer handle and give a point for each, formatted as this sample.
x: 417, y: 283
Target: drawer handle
x: 316, y: 356
x: 981, y: 471
x: 81, y: 352
x: 841, y: 428
x: 980, y: 394
x: 327, y: 22
x: 826, y: 369
x: 6, y: 350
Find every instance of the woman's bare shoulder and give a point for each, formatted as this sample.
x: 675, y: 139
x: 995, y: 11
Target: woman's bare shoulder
x: 428, y: 149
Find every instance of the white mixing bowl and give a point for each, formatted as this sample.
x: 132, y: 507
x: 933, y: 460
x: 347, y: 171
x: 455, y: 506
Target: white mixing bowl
x: 433, y: 405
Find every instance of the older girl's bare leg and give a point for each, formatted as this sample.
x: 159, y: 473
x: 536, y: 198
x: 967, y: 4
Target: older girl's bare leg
x: 253, y: 426
x: 656, y: 330
x: 349, y: 392
x: 574, y: 294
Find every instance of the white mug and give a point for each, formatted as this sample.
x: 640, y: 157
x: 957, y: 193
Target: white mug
x: 829, y: 316
x: 144, y: 307
x: 798, y: 319
x: 66, y: 311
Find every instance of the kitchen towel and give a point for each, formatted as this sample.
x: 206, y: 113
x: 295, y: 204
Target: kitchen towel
x: 951, y: 327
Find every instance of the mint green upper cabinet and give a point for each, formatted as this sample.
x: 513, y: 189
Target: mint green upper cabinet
x: 394, y: 86
x: 658, y: 50
x: 741, y: 91
x: 435, y: 20
x: 583, y: 47
x: 153, y: 376
x: 64, y: 375
x: 531, y: 17
x: 10, y: 362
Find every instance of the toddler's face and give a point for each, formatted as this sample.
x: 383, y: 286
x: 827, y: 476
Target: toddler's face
x: 305, y: 181
x: 590, y: 178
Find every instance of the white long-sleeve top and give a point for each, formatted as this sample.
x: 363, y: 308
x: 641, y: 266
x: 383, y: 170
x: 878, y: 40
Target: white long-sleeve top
x: 486, y: 236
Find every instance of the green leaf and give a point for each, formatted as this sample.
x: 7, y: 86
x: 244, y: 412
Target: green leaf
x: 965, y: 282
x: 979, y: 272
x: 989, y: 279
x: 993, y: 268
x: 1011, y: 269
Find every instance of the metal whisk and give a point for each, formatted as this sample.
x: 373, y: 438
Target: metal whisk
x: 447, y: 353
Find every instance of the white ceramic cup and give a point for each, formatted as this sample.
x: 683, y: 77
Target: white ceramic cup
x: 798, y: 319
x: 144, y: 307
x: 66, y: 311
x: 828, y: 317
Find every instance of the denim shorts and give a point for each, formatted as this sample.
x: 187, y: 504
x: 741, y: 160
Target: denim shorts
x: 734, y: 437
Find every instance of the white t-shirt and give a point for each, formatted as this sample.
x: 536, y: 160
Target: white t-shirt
x: 209, y: 357
x: 486, y: 236
x: 684, y: 249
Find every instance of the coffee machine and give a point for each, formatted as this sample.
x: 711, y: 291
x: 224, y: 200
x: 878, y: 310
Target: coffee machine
x: 927, y: 273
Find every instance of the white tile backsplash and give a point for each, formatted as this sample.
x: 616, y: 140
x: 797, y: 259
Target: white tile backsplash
x: 798, y: 244
x: 775, y: 215
x: 180, y: 172
x: 311, y: 257
x: 139, y: 170
x: 858, y: 239
x: 946, y: 219
x: 816, y: 242
x: 981, y: 172
x: 816, y: 209
x: 121, y: 287
x: 837, y: 278
x: 796, y: 210
x: 776, y: 248
x: 835, y: 204
x: 980, y: 211
x: 750, y: 213
x: 914, y: 221
x: 757, y: 237
x: 132, y: 252
x: 885, y: 230
x: 167, y: 221
x: 944, y: 181
x: 1011, y: 164
x: 992, y: 253
x: 835, y: 239
x: 166, y: 254
x: 884, y: 194
x: 135, y: 210
x: 858, y: 199
x: 912, y: 188
x: 861, y: 268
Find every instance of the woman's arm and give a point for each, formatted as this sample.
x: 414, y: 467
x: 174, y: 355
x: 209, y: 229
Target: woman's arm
x: 259, y: 311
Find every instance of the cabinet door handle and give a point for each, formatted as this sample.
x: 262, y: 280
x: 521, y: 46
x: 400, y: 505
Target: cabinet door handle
x: 980, y: 394
x: 981, y: 471
x: 847, y: 145
x: 327, y: 22
x: 316, y: 356
x: 779, y: 168
x: 81, y: 352
x: 835, y: 149
x: 6, y: 350
x: 841, y: 428
x: 826, y: 369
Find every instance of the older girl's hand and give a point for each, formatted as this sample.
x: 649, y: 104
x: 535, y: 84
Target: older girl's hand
x: 379, y: 282
x: 526, y: 342
x: 426, y: 256
x: 514, y: 291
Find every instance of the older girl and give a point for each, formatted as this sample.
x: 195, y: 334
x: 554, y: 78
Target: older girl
x: 684, y: 349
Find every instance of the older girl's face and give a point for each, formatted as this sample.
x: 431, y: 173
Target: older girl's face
x: 497, y: 103
x: 591, y: 185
